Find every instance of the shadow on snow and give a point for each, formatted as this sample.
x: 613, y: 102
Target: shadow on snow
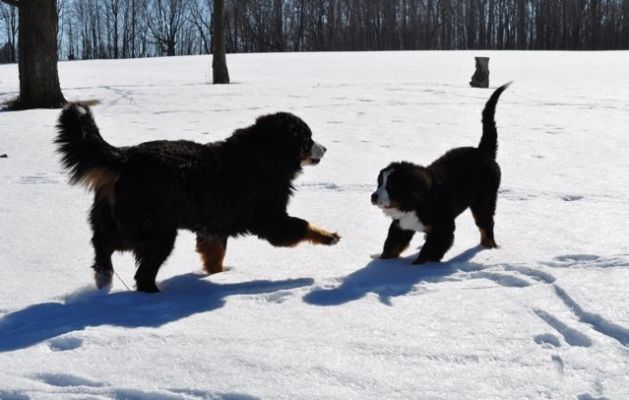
x: 391, y: 278
x: 184, y: 295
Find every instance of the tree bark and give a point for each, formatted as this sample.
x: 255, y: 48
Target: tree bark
x: 39, y: 78
x: 219, y: 62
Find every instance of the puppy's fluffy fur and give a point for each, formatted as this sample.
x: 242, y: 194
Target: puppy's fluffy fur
x: 428, y: 199
x: 145, y: 193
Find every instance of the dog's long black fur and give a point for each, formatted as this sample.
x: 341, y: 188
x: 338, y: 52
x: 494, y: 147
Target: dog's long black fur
x: 145, y: 193
x: 463, y: 177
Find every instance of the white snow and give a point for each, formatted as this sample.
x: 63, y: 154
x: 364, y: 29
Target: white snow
x: 543, y: 316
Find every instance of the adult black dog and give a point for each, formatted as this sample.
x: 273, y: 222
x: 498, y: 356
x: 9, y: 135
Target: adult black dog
x: 145, y: 193
x: 429, y: 199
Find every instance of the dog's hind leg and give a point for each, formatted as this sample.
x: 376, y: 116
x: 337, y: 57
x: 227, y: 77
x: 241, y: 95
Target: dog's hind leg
x: 105, y: 240
x: 103, y: 269
x: 212, y: 251
x: 483, y: 211
x: 397, y: 241
x: 150, y: 254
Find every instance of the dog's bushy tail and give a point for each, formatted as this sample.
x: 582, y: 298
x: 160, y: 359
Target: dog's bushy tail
x: 90, y: 159
x: 489, y: 141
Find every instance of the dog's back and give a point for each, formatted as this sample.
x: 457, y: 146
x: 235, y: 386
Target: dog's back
x: 468, y: 171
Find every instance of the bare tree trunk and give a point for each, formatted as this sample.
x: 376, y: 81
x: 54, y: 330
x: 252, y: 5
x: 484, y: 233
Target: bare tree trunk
x: 39, y: 78
x: 219, y: 62
x: 480, y: 79
x: 625, y: 28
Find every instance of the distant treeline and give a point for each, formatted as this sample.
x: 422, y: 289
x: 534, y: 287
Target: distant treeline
x: 144, y: 28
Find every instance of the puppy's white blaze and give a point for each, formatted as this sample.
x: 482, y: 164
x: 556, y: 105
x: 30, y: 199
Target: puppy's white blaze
x: 383, y: 195
x: 317, y: 151
x: 81, y: 110
x: 406, y: 219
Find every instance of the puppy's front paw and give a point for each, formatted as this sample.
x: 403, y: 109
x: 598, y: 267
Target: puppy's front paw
x: 423, y: 260
x: 387, y: 256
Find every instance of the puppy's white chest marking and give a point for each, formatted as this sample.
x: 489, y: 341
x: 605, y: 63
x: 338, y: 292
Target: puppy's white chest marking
x: 406, y: 219
x: 410, y: 222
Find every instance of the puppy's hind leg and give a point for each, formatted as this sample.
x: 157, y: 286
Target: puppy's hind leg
x: 212, y: 250
x: 483, y: 211
x: 397, y: 241
x: 150, y: 254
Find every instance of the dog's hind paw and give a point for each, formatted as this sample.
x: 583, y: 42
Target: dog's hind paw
x: 147, y: 287
x: 103, y: 279
x: 489, y: 243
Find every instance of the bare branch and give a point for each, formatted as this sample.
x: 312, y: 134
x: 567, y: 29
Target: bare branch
x: 15, y: 3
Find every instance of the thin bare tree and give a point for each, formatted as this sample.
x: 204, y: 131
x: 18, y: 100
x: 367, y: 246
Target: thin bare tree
x: 219, y: 62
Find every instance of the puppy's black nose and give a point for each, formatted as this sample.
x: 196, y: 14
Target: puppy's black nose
x: 324, y: 149
x: 374, y: 198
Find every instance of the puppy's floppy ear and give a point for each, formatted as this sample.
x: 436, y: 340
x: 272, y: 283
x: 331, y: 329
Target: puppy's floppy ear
x: 420, y: 185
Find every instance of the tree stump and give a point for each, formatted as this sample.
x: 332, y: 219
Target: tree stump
x: 480, y: 79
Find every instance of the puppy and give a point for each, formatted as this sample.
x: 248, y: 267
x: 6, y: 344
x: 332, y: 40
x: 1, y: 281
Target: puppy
x: 143, y: 194
x: 428, y: 199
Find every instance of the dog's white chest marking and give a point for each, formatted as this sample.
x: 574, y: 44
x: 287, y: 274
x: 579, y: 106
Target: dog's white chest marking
x: 406, y: 219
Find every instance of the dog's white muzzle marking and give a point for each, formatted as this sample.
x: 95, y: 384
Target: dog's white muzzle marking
x: 316, y: 154
x: 383, y: 196
x: 317, y: 151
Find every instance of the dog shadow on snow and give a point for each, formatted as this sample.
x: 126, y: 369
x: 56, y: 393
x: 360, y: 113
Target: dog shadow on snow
x: 397, y: 277
x: 182, y: 296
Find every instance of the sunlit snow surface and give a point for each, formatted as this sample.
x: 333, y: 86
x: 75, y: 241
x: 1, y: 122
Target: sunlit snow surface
x: 544, y: 316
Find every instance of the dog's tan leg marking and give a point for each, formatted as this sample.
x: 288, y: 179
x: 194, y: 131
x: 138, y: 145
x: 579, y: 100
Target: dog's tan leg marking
x: 212, y: 253
x: 320, y: 236
x: 486, y: 241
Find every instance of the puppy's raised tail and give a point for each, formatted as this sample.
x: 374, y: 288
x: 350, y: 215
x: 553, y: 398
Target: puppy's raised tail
x: 89, y: 159
x: 489, y: 141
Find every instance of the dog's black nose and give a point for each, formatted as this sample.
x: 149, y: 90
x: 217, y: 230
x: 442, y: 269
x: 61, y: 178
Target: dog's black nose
x: 324, y: 149
x: 374, y: 198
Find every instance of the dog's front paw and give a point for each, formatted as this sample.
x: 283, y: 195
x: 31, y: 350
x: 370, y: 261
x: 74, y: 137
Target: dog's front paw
x: 321, y: 236
x: 331, y: 239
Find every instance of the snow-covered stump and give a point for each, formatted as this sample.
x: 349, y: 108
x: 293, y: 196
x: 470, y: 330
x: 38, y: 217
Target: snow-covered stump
x: 480, y: 79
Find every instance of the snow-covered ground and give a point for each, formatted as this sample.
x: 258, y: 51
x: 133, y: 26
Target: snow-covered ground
x: 544, y: 316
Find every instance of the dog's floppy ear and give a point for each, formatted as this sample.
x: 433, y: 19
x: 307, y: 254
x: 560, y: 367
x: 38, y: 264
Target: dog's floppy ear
x: 420, y: 185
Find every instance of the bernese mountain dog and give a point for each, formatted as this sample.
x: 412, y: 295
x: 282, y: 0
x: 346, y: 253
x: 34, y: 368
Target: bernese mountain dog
x: 144, y: 193
x: 428, y: 199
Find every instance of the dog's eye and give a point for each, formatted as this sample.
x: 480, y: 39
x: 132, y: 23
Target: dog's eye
x: 306, y: 145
